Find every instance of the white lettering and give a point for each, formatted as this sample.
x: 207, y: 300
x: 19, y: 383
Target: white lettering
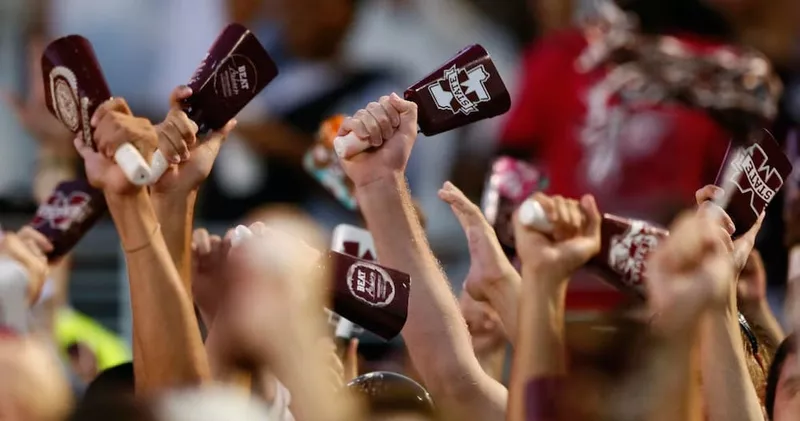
x: 243, y: 78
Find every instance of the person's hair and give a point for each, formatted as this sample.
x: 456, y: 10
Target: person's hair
x: 786, y: 348
x: 119, y: 408
x: 679, y: 16
x: 111, y: 382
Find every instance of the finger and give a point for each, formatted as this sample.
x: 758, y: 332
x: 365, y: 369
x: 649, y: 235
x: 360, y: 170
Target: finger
x: 563, y: 228
x: 717, y: 214
x: 215, y: 140
x: 548, y: 206
x: 186, y: 127
x: 354, y: 125
x: 117, y: 104
x: 36, y: 47
x: 31, y: 245
x: 464, y: 209
x: 575, y: 214
x: 724, y: 238
x: 374, y: 130
x: 41, y: 241
x: 168, y: 142
x: 259, y: 228
x: 402, y: 106
x: 394, y: 115
x: 377, y: 112
x: 351, y: 360
x: 201, y: 238
x: 708, y: 193
x: 177, y: 139
x: 215, y: 246
x: 593, y: 219
x: 84, y: 150
x: 178, y: 95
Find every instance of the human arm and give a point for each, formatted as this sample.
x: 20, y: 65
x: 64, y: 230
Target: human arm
x: 435, y: 332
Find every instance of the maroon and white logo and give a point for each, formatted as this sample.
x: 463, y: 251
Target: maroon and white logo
x: 460, y: 91
x: 370, y: 284
x: 64, y: 93
x: 752, y: 174
x: 62, y: 211
x: 628, y: 252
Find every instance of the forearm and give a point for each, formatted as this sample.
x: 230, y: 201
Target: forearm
x: 505, y: 301
x: 540, y: 350
x: 164, y: 325
x: 175, y: 213
x: 300, y: 365
x: 763, y: 320
x: 435, y: 332
x: 670, y: 373
x: 727, y: 387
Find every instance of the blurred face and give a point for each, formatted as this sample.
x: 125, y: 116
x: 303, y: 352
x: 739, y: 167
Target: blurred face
x: 787, y: 396
x: 314, y: 29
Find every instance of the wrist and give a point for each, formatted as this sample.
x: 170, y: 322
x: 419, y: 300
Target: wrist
x: 382, y: 183
x: 173, y: 197
x: 542, y: 279
x: 134, y: 218
x: 505, y: 288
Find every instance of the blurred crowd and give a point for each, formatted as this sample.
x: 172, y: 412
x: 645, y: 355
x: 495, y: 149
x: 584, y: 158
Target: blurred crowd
x: 623, y: 282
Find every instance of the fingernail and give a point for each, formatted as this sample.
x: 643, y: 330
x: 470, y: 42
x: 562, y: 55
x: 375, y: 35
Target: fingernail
x: 395, y: 97
x: 175, y: 159
x: 240, y: 234
x: 186, y: 155
x: 93, y: 121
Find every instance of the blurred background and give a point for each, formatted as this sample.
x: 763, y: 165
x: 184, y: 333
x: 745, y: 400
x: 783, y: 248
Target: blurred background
x: 334, y: 56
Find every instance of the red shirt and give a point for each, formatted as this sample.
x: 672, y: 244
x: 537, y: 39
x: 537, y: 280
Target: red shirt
x: 644, y: 163
x: 637, y: 162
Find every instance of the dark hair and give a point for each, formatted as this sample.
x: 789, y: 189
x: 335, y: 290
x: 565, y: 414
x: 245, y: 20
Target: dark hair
x: 679, y: 16
x: 118, y: 408
x: 786, y: 348
x: 111, y: 382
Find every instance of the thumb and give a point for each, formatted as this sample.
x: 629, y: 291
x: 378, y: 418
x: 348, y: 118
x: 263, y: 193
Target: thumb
x: 217, y: 137
x: 178, y: 95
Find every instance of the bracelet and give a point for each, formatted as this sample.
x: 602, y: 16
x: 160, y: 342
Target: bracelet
x: 146, y: 244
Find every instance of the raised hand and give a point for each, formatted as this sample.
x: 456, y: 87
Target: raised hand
x: 177, y: 140
x: 689, y: 273
x: 489, y: 266
x: 742, y: 246
x: 574, y: 240
x: 273, y: 286
x: 32, y: 112
x: 26, y: 252
x: 114, y: 125
x: 209, y: 254
x: 391, y: 126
